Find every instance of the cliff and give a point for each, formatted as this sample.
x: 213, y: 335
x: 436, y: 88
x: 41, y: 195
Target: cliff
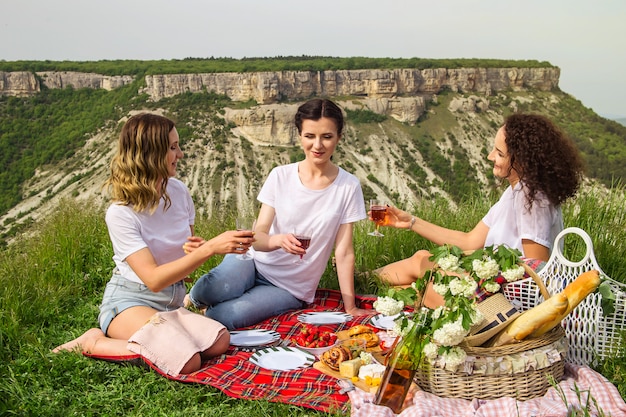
x: 272, y: 87
x: 24, y: 83
x: 398, y: 93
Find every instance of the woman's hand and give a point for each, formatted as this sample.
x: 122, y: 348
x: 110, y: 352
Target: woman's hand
x: 193, y: 243
x: 290, y: 244
x: 232, y: 241
x: 397, y: 218
x: 355, y: 312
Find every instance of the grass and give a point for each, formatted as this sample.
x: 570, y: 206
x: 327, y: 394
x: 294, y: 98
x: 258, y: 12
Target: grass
x: 52, y: 278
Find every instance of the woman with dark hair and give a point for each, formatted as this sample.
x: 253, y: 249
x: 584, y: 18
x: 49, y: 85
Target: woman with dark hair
x: 543, y: 169
x: 313, y: 194
x: 149, y: 220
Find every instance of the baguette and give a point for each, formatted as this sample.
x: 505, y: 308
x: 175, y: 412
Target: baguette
x: 576, y: 291
x: 531, y: 320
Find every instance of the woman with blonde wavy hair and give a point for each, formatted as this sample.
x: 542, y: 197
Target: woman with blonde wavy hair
x: 149, y: 220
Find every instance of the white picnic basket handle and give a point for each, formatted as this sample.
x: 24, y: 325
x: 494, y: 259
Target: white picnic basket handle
x: 557, y: 252
x: 590, y: 334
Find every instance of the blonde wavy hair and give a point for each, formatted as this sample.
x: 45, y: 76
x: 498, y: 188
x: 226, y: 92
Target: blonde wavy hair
x: 139, y: 171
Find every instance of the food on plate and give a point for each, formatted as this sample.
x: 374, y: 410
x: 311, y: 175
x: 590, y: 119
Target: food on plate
x: 361, y: 331
x: 350, y: 368
x: 313, y: 337
x: 334, y: 356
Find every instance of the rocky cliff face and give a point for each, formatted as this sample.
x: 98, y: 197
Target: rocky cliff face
x: 24, y: 83
x: 400, y: 93
x: 271, y: 87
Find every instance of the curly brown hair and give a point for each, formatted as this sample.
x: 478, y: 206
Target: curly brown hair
x: 545, y: 158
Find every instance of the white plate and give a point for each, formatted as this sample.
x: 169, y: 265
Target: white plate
x: 384, y: 322
x: 324, y: 317
x: 255, y: 337
x: 282, y: 358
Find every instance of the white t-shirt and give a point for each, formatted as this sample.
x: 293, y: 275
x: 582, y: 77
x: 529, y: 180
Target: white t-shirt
x: 322, y: 211
x: 509, y: 220
x: 163, y: 232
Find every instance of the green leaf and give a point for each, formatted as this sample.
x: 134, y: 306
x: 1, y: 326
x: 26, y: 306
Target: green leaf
x: 608, y: 298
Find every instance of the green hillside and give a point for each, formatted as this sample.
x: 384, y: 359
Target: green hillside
x: 47, y: 131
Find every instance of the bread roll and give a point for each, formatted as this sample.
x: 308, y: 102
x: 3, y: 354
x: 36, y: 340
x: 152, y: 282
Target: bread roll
x: 366, y: 333
x: 358, y: 329
x: 576, y: 291
x: 334, y: 356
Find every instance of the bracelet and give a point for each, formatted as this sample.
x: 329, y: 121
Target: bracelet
x: 413, y: 219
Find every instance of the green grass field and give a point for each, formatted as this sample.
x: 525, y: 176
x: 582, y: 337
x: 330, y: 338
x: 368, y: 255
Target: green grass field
x: 51, y: 283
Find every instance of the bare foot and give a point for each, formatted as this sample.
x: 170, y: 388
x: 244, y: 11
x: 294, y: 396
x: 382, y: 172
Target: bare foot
x: 187, y: 302
x: 192, y: 307
x: 83, y: 343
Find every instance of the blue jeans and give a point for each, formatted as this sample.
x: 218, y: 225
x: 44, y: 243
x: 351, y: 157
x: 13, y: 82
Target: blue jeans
x: 237, y: 296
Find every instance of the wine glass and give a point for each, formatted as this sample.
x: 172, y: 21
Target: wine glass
x: 304, y: 237
x: 378, y: 211
x: 245, y: 223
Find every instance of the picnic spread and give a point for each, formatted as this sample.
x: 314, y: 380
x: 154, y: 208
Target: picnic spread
x: 277, y: 371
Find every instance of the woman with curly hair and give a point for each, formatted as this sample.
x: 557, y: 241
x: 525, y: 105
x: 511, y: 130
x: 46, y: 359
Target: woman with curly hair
x: 543, y: 168
x: 150, y: 219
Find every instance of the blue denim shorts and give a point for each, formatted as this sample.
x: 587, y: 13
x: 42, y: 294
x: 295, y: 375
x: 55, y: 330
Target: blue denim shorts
x: 121, y: 293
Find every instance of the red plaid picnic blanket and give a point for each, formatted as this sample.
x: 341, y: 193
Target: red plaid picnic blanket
x: 234, y: 375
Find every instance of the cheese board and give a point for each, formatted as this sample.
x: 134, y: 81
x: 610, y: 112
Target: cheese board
x: 359, y: 384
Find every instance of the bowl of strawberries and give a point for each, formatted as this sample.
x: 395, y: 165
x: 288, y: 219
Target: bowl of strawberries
x: 314, y: 339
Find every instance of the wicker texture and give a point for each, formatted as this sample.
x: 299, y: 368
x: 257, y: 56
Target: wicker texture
x: 589, y: 332
x: 521, y: 386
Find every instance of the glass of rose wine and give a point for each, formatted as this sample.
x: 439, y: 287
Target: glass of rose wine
x: 304, y: 237
x: 245, y: 223
x: 378, y: 211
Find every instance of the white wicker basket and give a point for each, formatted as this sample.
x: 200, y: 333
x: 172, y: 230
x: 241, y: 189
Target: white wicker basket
x: 589, y: 332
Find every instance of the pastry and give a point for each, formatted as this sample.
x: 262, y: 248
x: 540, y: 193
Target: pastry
x: 334, y: 356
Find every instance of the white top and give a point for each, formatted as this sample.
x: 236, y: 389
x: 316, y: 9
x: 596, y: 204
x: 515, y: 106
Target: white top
x: 509, y: 221
x: 163, y: 232
x: 322, y: 211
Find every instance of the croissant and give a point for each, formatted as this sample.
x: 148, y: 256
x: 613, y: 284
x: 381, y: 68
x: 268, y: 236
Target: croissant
x: 366, y: 333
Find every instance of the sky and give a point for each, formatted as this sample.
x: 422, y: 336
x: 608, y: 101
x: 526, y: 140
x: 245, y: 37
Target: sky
x: 585, y: 38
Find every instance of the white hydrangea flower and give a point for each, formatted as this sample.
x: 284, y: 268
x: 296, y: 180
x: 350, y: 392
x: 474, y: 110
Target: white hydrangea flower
x: 450, y: 334
x: 476, y: 316
x: 463, y: 286
x: 438, y: 312
x: 492, y: 287
x: 485, y: 269
x: 456, y: 286
x: 440, y: 289
x: 513, y: 274
x: 454, y: 357
x: 449, y: 263
x: 430, y: 350
x: 388, y: 306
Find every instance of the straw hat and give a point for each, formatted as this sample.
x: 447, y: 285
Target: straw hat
x: 498, y: 313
